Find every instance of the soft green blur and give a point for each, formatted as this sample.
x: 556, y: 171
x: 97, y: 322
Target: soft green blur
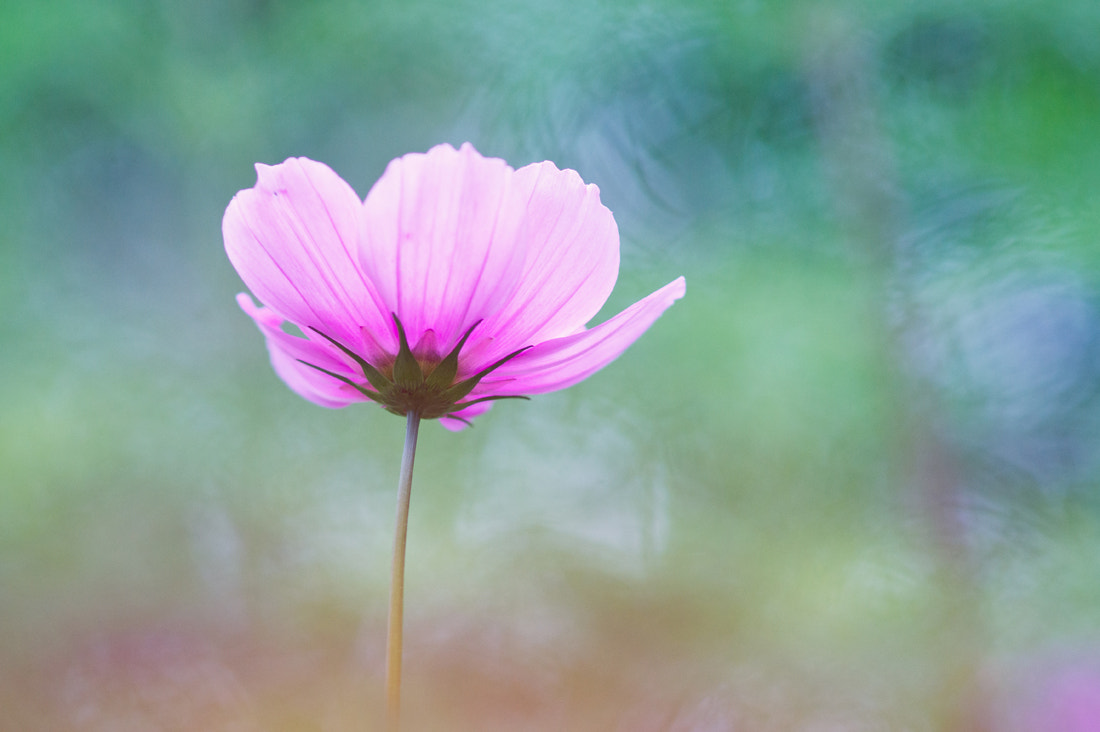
x: 850, y: 482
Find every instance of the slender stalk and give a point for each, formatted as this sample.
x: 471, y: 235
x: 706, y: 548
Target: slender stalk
x: 397, y: 578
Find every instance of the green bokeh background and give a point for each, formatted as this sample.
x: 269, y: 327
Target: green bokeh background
x: 849, y: 482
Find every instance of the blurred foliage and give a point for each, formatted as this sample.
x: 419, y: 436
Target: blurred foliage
x: 849, y: 482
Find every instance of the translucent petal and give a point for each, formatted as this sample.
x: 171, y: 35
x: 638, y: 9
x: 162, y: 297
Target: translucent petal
x: 570, y: 267
x: 441, y: 239
x: 562, y: 362
x: 293, y: 239
x: 288, y: 352
x: 451, y: 238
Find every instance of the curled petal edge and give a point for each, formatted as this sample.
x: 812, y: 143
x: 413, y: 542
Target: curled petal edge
x: 562, y: 362
x: 286, y: 350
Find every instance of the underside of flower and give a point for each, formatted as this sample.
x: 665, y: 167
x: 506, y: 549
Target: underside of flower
x: 423, y: 386
x: 444, y: 239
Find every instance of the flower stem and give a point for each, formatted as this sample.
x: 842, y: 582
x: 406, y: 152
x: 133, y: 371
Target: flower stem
x: 397, y: 578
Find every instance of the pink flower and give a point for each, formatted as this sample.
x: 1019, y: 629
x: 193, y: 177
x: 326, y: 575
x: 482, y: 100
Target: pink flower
x: 456, y: 282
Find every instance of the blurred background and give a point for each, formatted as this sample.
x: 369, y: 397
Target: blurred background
x: 850, y: 482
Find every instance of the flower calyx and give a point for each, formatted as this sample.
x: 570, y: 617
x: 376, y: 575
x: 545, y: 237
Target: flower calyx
x: 424, y: 386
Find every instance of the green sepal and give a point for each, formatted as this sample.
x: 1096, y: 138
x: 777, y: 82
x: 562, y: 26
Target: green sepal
x: 465, y: 386
x: 443, y: 375
x: 409, y: 390
x: 358, y: 387
x: 374, y: 376
x: 460, y: 407
x: 406, y: 369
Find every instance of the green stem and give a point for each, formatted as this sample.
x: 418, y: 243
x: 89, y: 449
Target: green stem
x: 397, y: 578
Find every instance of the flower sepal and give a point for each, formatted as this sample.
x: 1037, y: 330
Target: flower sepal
x: 423, y: 386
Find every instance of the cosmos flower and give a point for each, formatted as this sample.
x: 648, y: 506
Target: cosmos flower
x: 458, y: 281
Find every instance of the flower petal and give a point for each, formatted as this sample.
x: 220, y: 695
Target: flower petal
x: 440, y: 239
x: 562, y: 362
x: 288, y: 352
x: 571, y: 263
x: 293, y: 239
x: 451, y: 238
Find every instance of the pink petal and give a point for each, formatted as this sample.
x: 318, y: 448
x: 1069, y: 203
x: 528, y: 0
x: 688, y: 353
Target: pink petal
x: 571, y: 264
x: 293, y: 239
x: 440, y: 239
x: 559, y: 363
x: 286, y: 350
x: 451, y: 237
